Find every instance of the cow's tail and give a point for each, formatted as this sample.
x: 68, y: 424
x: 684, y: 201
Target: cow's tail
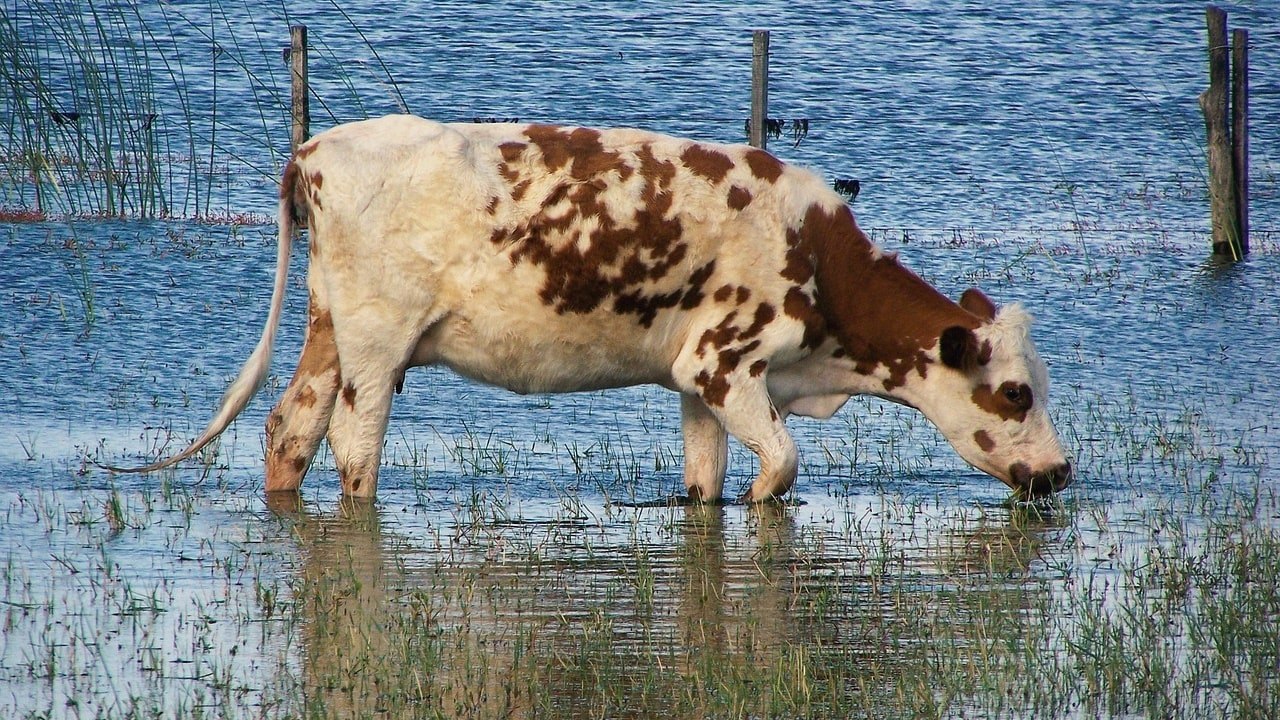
x: 254, y: 371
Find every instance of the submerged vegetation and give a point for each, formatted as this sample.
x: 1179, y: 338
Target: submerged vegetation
x: 484, y: 601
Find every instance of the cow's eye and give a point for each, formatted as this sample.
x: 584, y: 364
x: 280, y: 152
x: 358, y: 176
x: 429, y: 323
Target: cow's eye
x: 1017, y: 395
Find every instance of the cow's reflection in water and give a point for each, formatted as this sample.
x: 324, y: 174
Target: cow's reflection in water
x: 505, y: 622
x: 381, y: 618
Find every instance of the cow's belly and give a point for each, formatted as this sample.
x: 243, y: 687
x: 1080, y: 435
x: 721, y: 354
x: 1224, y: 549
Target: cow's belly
x: 554, y: 355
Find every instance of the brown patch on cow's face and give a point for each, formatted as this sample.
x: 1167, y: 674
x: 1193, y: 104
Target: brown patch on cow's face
x: 349, y: 395
x: 764, y: 166
x: 984, y: 441
x: 1010, y: 401
x: 739, y: 197
x: 706, y: 162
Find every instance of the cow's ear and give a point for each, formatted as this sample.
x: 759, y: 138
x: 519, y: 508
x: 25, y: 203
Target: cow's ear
x: 976, y: 302
x: 958, y: 347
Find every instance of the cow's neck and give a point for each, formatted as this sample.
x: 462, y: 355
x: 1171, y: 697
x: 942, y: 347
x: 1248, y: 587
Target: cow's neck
x: 885, y: 317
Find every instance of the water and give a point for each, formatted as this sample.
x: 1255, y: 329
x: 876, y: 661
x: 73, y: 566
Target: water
x: 1048, y: 153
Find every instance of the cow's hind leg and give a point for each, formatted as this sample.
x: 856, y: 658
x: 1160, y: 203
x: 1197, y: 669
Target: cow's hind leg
x: 373, y: 350
x: 706, y: 449
x: 298, y: 422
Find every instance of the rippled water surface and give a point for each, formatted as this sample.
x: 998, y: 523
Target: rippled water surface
x: 1049, y: 153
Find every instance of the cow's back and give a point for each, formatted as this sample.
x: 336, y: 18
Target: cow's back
x: 545, y: 258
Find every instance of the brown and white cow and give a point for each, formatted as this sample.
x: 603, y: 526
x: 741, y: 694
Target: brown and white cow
x: 557, y: 259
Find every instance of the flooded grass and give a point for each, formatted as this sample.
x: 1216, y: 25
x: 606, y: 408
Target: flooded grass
x: 484, y: 599
x: 499, y: 575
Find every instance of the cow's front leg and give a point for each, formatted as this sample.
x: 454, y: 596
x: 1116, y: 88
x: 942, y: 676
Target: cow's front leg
x: 706, y: 450
x: 739, y: 399
x: 749, y: 415
x: 298, y: 422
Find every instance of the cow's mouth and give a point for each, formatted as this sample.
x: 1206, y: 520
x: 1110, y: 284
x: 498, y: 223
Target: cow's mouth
x: 1039, y: 484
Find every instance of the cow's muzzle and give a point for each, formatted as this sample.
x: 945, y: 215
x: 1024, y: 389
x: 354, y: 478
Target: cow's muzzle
x: 1039, y: 484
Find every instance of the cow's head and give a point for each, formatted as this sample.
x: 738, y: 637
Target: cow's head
x: 989, y: 396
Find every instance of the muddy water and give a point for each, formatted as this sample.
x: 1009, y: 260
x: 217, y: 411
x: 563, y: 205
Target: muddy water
x: 186, y: 592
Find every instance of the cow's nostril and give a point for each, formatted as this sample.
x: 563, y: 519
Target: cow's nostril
x: 1039, y: 484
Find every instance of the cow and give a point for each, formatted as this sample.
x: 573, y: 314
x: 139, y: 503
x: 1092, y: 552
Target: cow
x: 550, y: 259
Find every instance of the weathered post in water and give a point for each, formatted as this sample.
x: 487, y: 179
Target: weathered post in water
x: 1224, y: 204
x: 298, y: 87
x: 1240, y: 130
x: 759, y: 89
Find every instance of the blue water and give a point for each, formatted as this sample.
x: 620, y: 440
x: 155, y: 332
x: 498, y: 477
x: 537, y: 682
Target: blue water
x: 1059, y: 116
x: 1047, y: 152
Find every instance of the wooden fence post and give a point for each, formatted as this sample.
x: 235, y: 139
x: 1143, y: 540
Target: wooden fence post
x: 298, y: 72
x: 759, y: 89
x: 1214, y: 105
x: 1240, y: 131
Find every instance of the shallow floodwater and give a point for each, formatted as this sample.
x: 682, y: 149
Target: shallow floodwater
x: 497, y: 575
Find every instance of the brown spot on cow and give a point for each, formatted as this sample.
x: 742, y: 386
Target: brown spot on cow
x: 719, y: 336
x: 511, y: 151
x: 622, y: 252
x: 984, y: 441
x: 764, y: 166
x: 758, y: 367
x: 722, y: 293
x: 306, y: 397
x: 317, y: 180
x: 763, y: 316
x: 300, y: 464
x: 319, y: 335
x: 349, y: 395
x: 1010, y: 401
x: 713, y: 388
x: 739, y: 197
x: 704, y: 162
x: 578, y: 150
x: 798, y: 305
x: 313, y: 191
